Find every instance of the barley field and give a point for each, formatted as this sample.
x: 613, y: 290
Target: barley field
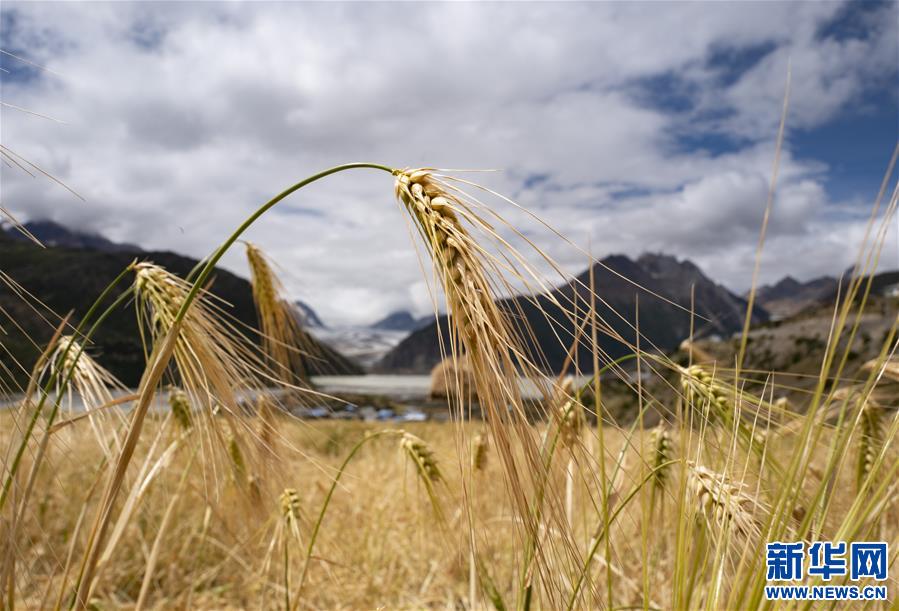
x: 199, y: 489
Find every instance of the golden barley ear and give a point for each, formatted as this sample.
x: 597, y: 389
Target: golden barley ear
x: 287, y: 345
x: 724, y: 504
x: 213, y: 363
x: 568, y: 412
x: 290, y: 507
x: 92, y: 383
x: 212, y: 359
x: 426, y: 468
x: 480, y: 445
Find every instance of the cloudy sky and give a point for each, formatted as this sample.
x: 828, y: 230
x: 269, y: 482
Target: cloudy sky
x: 628, y: 127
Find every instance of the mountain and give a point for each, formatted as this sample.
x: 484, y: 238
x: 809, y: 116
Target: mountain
x: 70, y: 278
x: 364, y: 345
x: 308, y: 317
x: 401, y: 320
x: 50, y: 233
x: 791, y: 349
x: 663, y: 325
x: 789, y: 296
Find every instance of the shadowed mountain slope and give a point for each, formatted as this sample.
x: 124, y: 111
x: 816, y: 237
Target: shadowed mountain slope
x: 69, y: 279
x: 662, y: 324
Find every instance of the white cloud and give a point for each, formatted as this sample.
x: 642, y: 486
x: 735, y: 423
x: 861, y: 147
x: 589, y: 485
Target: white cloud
x: 183, y: 118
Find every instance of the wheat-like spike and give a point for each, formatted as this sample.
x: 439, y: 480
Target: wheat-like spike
x: 290, y: 507
x: 213, y: 359
x: 422, y: 456
x: 90, y: 381
x: 662, y: 450
x: 284, y: 340
x: 480, y: 445
x: 179, y: 403
x: 237, y: 460
x: 870, y: 440
x: 723, y: 503
x: 700, y: 386
x: 482, y: 331
x: 449, y: 242
x: 482, y: 328
x: 569, y: 412
x: 213, y: 362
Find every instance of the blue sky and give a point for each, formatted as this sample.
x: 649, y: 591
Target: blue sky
x: 627, y: 126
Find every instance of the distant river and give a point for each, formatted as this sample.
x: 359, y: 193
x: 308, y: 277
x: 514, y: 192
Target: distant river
x: 397, y: 387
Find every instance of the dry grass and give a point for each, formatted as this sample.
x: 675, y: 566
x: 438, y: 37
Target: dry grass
x: 380, y: 542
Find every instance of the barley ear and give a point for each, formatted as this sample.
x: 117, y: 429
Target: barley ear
x: 480, y: 445
x: 870, y: 441
x: 724, y: 505
x: 422, y: 457
x: 179, y: 403
x: 662, y: 450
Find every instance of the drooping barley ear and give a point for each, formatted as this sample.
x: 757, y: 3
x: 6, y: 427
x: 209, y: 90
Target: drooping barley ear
x: 179, y: 403
x: 661, y: 446
x: 870, y: 441
x: 90, y: 381
x: 290, y: 511
x: 426, y: 468
x: 472, y: 280
x: 569, y: 411
x: 213, y: 360
x: 422, y: 457
x: 485, y: 335
x: 701, y: 388
x: 290, y: 507
x: 267, y: 426
x: 480, y: 445
x: 284, y: 340
x: 724, y: 505
x: 237, y: 459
